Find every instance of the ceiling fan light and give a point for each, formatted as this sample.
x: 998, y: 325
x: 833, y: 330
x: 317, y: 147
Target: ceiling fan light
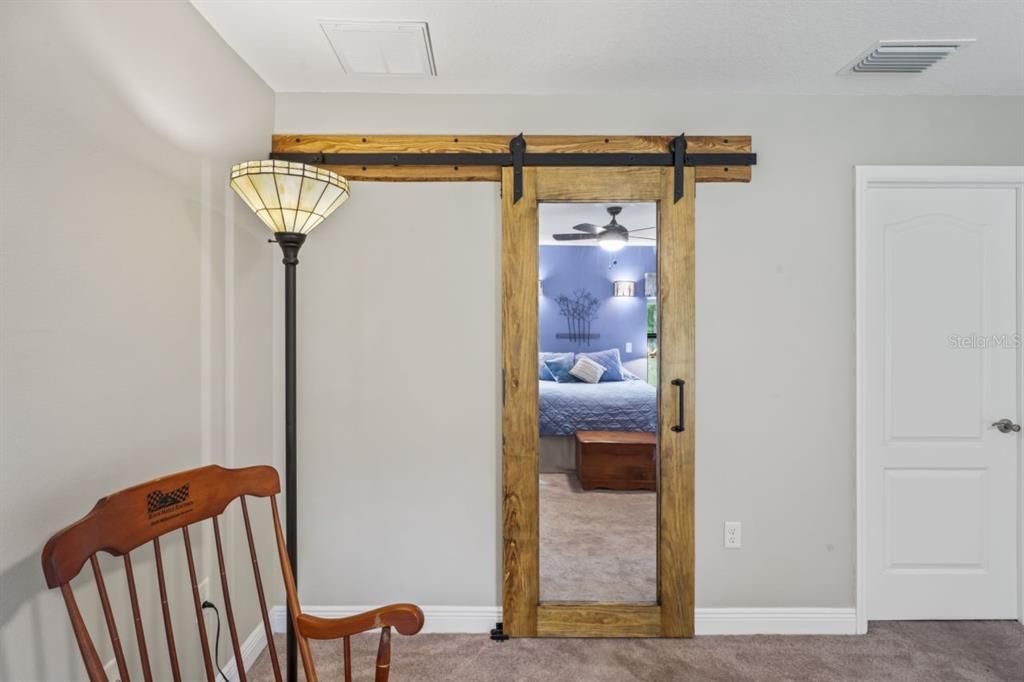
x: 287, y: 196
x: 611, y: 241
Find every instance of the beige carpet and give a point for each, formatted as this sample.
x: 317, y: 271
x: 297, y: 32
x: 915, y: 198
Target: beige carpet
x: 596, y: 545
x: 979, y: 651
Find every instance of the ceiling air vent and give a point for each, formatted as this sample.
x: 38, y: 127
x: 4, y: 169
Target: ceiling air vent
x: 903, y: 56
x: 382, y: 48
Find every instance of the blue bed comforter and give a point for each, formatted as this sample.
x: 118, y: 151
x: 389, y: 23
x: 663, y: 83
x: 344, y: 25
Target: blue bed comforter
x: 606, y: 406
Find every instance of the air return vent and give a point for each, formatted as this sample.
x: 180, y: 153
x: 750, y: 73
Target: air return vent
x: 382, y: 48
x: 903, y: 56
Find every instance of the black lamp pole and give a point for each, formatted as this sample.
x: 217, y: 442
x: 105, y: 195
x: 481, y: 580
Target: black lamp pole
x: 290, y: 243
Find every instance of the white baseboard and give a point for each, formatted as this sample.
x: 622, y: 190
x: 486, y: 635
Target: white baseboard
x: 251, y: 648
x: 776, y: 621
x: 730, y: 621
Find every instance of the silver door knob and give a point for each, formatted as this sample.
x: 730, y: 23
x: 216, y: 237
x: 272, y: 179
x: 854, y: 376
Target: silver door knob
x: 1006, y: 426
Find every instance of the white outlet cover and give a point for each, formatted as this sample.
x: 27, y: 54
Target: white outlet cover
x: 733, y: 534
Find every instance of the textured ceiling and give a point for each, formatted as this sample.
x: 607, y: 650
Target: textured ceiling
x: 559, y: 217
x: 643, y: 47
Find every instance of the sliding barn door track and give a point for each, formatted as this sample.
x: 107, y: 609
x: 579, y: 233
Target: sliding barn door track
x: 518, y: 157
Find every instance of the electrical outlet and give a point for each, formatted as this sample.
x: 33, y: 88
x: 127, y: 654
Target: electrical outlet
x: 204, y: 591
x: 110, y: 670
x: 733, y: 534
x: 629, y: 346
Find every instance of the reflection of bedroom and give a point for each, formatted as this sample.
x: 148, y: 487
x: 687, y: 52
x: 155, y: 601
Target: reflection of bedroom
x: 597, y: 337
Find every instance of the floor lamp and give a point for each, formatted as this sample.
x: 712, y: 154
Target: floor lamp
x: 291, y: 199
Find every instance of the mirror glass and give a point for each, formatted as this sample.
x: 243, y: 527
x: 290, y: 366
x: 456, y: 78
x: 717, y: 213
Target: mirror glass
x: 598, y: 419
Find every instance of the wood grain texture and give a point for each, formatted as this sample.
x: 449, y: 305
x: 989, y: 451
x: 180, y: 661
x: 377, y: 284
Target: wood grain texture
x: 418, y: 173
x: 676, y: 450
x: 140, y: 635
x: 261, y: 595
x: 589, y: 619
x: 123, y: 521
x: 226, y: 594
x: 616, y: 460
x: 492, y: 173
x: 406, y: 618
x: 165, y: 610
x: 520, y: 432
x: 614, y: 183
x: 491, y: 144
x: 396, y: 144
x: 108, y: 616
x: 147, y: 512
x: 204, y: 639
x: 93, y: 665
x: 724, y: 173
x: 673, y: 615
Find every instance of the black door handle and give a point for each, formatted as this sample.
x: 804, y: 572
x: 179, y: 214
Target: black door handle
x: 681, y: 424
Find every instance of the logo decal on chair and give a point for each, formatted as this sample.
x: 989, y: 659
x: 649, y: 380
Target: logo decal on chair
x: 160, y: 504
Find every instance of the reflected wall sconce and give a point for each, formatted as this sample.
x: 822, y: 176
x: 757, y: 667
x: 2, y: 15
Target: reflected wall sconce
x: 651, y: 284
x: 623, y: 288
x: 291, y: 199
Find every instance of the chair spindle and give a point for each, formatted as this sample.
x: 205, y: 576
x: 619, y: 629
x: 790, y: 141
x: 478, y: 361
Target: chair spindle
x: 259, y: 592
x: 140, y: 635
x: 384, y: 655
x: 200, y: 621
x: 108, y: 616
x: 122, y: 522
x: 348, y: 659
x: 93, y: 666
x: 227, y: 604
x: 172, y: 651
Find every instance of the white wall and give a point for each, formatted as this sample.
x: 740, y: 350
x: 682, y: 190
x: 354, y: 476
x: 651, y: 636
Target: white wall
x: 401, y: 465
x: 128, y: 272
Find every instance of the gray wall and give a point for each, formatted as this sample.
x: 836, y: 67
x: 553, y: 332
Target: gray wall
x: 399, y: 432
x: 128, y: 270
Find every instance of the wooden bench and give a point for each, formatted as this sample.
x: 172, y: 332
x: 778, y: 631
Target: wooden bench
x: 617, y: 460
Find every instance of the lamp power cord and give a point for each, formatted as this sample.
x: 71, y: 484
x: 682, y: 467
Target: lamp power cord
x: 216, y: 640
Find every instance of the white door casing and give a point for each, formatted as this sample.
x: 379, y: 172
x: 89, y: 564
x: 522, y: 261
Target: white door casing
x: 939, y: 360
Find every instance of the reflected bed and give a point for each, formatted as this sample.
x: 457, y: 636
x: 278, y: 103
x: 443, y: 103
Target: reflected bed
x: 566, y: 408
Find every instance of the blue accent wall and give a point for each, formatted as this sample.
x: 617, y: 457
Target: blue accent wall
x: 619, y: 320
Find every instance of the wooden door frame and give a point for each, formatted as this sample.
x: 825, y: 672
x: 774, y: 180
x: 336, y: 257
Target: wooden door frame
x: 523, y: 614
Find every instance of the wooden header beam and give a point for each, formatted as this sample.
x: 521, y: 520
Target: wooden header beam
x: 499, y: 144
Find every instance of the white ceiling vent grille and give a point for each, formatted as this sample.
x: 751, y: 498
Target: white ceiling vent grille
x: 903, y: 56
x: 382, y: 48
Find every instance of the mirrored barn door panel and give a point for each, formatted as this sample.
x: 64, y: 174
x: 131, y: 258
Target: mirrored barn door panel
x: 598, y: 402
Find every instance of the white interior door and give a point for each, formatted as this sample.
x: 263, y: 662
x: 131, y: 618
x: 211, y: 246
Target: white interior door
x: 939, y: 353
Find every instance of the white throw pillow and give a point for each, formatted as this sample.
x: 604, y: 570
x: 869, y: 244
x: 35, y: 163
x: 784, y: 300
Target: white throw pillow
x: 587, y: 370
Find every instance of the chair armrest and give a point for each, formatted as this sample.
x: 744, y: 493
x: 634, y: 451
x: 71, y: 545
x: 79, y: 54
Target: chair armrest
x: 406, y: 618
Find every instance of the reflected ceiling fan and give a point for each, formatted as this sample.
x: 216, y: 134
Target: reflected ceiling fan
x: 611, y: 237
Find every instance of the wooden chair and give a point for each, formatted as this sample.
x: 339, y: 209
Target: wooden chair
x: 124, y: 521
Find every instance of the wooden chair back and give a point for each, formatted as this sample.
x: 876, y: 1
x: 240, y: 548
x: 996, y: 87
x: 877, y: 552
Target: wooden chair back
x: 125, y: 521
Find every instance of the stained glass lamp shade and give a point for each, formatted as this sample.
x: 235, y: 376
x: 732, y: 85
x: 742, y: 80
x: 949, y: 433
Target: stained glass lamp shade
x: 287, y: 196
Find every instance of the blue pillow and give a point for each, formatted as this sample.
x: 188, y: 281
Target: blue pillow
x: 559, y: 365
x: 609, y: 359
x: 544, y: 374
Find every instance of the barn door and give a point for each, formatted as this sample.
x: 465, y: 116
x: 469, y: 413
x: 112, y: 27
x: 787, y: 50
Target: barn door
x: 669, y: 611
